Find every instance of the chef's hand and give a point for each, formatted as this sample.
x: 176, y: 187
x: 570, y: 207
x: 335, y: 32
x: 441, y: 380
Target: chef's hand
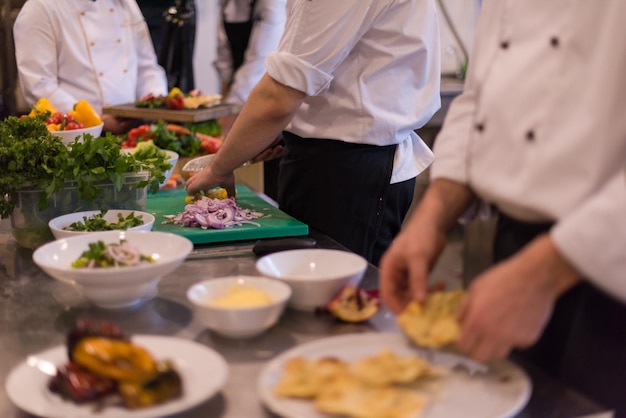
x: 207, y: 179
x: 117, y: 126
x: 273, y: 151
x: 405, y: 266
x: 509, y: 305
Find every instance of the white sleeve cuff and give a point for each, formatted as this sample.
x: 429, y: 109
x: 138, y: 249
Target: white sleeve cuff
x: 293, y: 72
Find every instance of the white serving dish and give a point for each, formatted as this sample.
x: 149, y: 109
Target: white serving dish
x: 58, y: 224
x: 68, y: 137
x: 238, y: 322
x: 115, y: 287
x: 315, y: 275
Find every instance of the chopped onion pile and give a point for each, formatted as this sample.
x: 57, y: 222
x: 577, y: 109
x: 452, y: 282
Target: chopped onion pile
x: 214, y: 213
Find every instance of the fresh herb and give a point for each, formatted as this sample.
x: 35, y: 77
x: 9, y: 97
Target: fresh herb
x: 151, y: 101
x: 96, y: 251
x: 185, y: 145
x: 209, y: 127
x: 98, y: 223
x: 30, y: 156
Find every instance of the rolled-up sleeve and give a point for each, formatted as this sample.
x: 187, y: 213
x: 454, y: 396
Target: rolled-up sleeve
x: 296, y: 73
x: 315, y: 42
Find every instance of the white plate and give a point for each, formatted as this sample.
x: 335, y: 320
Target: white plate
x: 501, y: 392
x: 203, y: 372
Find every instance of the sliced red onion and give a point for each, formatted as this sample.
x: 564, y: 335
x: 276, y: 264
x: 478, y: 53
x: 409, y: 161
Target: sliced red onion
x: 214, y: 213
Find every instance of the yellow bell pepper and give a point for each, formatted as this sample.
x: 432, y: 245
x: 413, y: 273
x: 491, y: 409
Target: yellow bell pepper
x: 85, y: 114
x: 175, y: 92
x: 115, y: 359
x: 43, y: 105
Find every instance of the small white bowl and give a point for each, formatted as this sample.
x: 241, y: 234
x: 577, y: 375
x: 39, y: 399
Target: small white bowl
x: 68, y: 136
x: 115, y: 287
x: 315, y: 275
x: 58, y: 224
x: 172, y: 159
x: 238, y: 322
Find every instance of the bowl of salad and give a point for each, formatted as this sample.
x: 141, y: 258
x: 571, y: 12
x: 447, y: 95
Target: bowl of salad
x: 69, y: 135
x: 114, y: 269
x: 146, y: 150
x: 87, y: 222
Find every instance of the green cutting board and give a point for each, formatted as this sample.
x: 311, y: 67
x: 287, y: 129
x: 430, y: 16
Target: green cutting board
x: 274, y: 222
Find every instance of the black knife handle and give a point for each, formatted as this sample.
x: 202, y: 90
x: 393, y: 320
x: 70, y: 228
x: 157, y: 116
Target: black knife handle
x: 268, y: 246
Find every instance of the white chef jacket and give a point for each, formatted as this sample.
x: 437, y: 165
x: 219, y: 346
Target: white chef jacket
x: 269, y: 22
x: 540, y: 131
x: 371, y: 70
x: 100, y: 51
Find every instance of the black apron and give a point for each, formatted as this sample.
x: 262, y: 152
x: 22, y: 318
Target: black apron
x: 177, y: 45
x: 584, y: 343
x: 238, y: 35
x: 343, y: 190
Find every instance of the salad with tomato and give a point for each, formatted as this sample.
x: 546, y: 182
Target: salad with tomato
x: 187, y: 140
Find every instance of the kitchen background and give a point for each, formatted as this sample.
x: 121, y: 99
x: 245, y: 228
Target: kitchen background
x: 468, y: 251
x: 462, y: 13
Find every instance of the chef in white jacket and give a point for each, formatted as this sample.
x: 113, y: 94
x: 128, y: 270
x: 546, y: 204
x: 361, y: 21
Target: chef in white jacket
x: 97, y: 50
x: 540, y: 134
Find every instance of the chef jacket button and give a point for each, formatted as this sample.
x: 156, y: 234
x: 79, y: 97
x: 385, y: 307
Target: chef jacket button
x: 82, y: 13
x: 480, y: 127
x: 554, y: 42
x: 125, y: 70
x: 92, y: 43
x: 111, y: 10
x: 119, y: 40
x: 504, y: 44
x: 530, y: 136
x: 100, y: 74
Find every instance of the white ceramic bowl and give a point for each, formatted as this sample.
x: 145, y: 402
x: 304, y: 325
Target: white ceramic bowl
x: 68, y: 136
x: 57, y: 224
x: 172, y: 159
x: 115, y: 287
x: 239, y: 322
x: 315, y: 275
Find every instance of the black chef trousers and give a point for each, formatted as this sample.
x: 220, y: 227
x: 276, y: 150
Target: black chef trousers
x: 342, y: 189
x: 584, y: 343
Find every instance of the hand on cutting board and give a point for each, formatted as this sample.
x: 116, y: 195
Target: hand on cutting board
x: 510, y: 304
x: 207, y: 179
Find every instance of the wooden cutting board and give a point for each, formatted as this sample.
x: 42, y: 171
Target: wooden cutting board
x: 275, y: 223
x: 169, y: 115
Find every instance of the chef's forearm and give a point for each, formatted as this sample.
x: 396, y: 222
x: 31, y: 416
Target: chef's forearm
x: 265, y: 114
x: 444, y: 202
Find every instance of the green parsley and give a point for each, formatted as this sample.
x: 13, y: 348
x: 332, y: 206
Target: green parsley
x: 98, y: 223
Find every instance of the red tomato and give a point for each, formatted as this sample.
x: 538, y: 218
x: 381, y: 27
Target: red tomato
x: 140, y: 133
x: 73, y: 125
x: 209, y: 144
x: 176, y: 102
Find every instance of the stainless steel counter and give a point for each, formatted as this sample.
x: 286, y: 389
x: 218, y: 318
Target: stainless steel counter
x: 36, y: 311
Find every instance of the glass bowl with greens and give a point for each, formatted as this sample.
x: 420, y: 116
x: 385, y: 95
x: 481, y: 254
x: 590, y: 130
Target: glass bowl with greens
x: 86, y: 222
x: 41, y: 177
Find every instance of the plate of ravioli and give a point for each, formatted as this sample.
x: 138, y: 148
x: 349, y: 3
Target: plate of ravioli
x: 384, y: 374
